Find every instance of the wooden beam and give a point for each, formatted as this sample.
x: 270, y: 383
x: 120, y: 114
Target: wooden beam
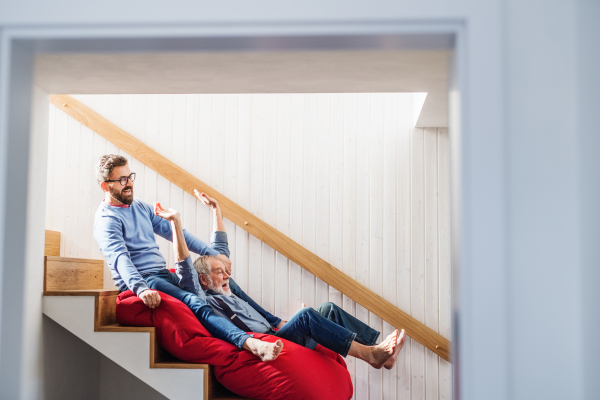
x: 52, y: 243
x: 256, y: 227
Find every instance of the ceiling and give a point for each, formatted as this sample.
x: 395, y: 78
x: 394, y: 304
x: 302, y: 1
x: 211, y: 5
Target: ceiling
x: 253, y: 72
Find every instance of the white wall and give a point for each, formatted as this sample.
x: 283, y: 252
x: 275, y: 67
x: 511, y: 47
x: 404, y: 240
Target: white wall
x: 345, y: 175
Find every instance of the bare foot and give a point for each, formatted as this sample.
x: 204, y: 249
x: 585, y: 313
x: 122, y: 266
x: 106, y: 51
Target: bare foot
x: 381, y: 353
x: 389, y: 364
x: 266, y: 351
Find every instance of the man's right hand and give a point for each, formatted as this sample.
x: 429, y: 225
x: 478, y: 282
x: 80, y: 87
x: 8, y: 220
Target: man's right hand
x: 151, y: 298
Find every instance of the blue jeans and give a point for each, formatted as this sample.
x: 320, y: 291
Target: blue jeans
x: 329, y: 326
x: 167, y: 282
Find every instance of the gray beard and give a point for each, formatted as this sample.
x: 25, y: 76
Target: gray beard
x: 219, y: 290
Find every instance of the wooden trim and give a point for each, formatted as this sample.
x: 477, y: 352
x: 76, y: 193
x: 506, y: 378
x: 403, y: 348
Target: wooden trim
x: 256, y: 227
x: 63, y: 273
x: 52, y: 243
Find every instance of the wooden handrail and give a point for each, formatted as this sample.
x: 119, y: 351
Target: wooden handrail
x: 256, y: 227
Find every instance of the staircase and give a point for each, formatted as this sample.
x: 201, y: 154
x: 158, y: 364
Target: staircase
x: 75, y: 299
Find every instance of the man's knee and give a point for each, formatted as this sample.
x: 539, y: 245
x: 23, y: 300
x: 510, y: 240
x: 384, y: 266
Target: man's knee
x: 326, y: 308
x: 306, y: 311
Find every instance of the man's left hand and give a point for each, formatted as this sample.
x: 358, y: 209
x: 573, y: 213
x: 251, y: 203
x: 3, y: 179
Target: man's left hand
x: 226, y: 262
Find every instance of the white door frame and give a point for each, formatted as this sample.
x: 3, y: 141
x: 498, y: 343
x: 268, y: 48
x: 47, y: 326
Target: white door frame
x: 479, y: 286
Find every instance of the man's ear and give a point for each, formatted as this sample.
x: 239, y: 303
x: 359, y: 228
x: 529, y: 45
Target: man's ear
x: 104, y: 186
x: 203, y: 280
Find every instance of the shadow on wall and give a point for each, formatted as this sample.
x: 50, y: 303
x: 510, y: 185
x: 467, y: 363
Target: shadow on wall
x: 73, y: 370
x: 71, y: 367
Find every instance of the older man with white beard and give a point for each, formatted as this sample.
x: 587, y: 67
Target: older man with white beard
x: 329, y: 325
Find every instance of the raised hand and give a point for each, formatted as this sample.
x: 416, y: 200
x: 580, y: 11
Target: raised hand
x: 209, y: 201
x: 169, y: 215
x: 226, y: 262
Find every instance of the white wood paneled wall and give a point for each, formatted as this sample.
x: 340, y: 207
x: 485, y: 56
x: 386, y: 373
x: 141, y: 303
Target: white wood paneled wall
x: 344, y: 175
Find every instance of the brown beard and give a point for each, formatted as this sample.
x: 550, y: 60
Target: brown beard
x: 120, y: 197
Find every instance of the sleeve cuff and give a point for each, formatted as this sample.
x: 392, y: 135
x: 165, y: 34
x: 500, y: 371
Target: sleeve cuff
x: 140, y: 289
x: 218, y: 237
x: 187, y: 262
x: 212, y: 252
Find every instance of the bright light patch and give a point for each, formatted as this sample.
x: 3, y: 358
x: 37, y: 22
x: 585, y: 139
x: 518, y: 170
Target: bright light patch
x: 418, y: 99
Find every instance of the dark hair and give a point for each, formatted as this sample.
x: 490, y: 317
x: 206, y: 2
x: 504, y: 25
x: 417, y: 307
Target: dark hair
x: 106, y: 164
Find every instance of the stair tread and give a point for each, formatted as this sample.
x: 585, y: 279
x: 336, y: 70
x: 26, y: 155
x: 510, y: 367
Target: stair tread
x: 82, y: 292
x: 125, y: 328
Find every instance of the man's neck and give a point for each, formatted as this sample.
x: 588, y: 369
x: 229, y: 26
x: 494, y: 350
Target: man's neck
x: 108, y: 199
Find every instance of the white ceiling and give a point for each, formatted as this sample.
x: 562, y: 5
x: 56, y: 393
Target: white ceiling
x: 253, y: 72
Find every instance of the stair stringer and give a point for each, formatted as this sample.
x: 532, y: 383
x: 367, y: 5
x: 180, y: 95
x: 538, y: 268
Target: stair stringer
x: 130, y: 350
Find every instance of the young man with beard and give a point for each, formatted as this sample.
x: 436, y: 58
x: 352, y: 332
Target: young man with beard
x: 124, y: 228
x: 329, y: 325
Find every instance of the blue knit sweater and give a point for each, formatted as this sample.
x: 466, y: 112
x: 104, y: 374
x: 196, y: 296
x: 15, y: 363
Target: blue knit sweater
x: 126, y: 238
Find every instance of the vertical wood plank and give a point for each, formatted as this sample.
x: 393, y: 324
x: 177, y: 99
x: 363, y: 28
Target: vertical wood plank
x: 403, y: 293
x: 445, y: 300
x: 283, y: 155
x: 191, y: 153
x: 269, y: 198
x: 255, y: 277
x: 178, y: 132
x: 165, y: 126
x: 163, y: 196
x: 296, y: 196
x: 205, y: 116
x: 72, y: 183
x: 230, y: 165
x: 109, y: 106
x: 97, y: 196
x: 178, y: 157
x: 389, y: 196
x: 375, y: 191
x: 349, y: 207
x: 87, y: 183
x: 431, y: 256
x: 217, y: 153
x: 217, y: 146
x: 322, y: 221
x: 418, y: 262
x: 336, y: 190
x: 189, y: 216
x: 309, y: 193
x: 190, y: 163
x: 139, y: 130
x: 126, y: 115
x: 243, y: 187
x: 177, y: 204
x: 152, y: 135
x: 362, y: 226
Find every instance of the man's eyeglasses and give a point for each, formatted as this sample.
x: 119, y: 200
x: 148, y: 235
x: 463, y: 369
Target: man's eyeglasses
x: 124, y: 179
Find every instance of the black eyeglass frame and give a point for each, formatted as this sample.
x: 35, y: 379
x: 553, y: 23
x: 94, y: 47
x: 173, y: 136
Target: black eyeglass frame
x: 131, y: 178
